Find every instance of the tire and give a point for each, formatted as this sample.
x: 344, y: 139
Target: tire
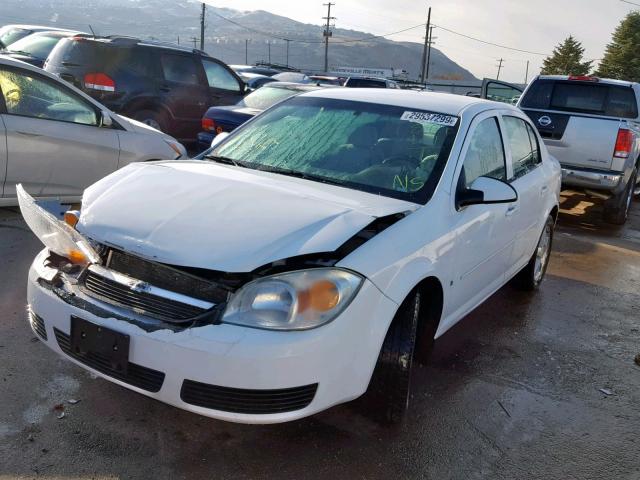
x: 532, y: 275
x: 154, y: 118
x: 389, y: 388
x: 616, y: 209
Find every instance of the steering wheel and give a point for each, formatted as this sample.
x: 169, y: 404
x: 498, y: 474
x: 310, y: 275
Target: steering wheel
x: 400, y: 161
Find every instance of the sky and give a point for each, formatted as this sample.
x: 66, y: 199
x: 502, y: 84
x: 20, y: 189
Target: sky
x: 537, y: 26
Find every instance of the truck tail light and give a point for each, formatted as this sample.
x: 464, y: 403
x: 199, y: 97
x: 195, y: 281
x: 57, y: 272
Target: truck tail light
x: 583, y: 78
x: 208, y: 124
x: 99, y: 81
x: 624, y: 142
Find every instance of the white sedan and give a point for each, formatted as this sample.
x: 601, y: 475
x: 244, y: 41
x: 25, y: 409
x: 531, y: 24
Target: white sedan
x: 315, y: 254
x: 56, y: 140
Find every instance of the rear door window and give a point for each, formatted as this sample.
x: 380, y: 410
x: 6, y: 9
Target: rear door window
x: 180, y: 69
x: 582, y: 97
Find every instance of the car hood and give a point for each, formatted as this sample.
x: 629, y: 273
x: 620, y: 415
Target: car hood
x: 206, y: 215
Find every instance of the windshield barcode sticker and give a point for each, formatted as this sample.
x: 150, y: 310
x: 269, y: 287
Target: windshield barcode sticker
x: 432, y: 118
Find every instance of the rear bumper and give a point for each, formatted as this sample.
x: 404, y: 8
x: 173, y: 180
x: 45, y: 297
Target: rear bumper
x: 597, y: 180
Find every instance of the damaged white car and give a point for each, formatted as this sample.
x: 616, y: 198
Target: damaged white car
x: 314, y: 255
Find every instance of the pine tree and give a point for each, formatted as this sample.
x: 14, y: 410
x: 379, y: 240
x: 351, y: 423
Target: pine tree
x: 622, y: 56
x: 566, y: 59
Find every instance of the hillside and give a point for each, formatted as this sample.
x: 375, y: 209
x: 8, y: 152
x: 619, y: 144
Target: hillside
x: 178, y: 20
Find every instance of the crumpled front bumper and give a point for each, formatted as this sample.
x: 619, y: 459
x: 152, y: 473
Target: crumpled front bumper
x: 234, y: 361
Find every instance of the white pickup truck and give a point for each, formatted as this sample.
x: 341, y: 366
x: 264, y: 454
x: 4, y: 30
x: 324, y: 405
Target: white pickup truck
x: 592, y: 127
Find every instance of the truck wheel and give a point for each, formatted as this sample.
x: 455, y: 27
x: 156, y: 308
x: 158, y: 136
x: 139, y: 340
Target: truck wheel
x: 390, y: 382
x: 616, y: 209
x: 531, y: 276
x: 153, y: 118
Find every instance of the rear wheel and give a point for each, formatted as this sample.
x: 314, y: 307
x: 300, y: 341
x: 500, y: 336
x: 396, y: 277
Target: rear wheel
x: 616, y: 209
x: 389, y: 388
x: 531, y: 276
x: 153, y: 118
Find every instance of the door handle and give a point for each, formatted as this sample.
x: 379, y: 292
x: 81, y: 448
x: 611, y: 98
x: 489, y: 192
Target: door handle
x: 544, y: 190
x: 511, y: 210
x: 165, y: 89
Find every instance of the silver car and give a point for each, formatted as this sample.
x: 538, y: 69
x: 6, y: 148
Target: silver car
x: 57, y: 141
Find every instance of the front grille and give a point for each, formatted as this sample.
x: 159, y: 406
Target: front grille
x: 238, y: 400
x: 37, y: 325
x: 137, y: 375
x: 166, y: 277
x: 140, y: 302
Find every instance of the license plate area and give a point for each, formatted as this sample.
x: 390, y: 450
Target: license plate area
x: 101, y: 344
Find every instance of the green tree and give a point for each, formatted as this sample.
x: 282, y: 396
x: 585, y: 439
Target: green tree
x: 566, y: 59
x: 622, y: 56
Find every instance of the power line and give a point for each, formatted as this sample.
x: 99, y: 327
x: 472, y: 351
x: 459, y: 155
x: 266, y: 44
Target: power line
x: 490, y: 43
x: 630, y: 3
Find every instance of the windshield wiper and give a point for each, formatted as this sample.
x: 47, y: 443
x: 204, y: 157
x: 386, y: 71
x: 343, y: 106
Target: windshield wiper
x: 303, y: 175
x: 224, y: 160
x: 22, y: 52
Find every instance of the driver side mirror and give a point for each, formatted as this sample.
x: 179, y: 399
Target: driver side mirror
x: 105, y: 119
x: 486, y: 191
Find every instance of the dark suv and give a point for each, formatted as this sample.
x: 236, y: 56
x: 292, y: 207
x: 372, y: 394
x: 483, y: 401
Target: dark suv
x: 165, y: 86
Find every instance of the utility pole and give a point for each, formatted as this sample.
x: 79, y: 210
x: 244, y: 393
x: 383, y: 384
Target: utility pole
x: 287, y: 40
x: 423, y: 73
x: 269, y: 46
x: 246, y: 51
x: 204, y: 8
x: 327, y: 33
x: 194, y: 40
x: 501, y: 61
x: 178, y: 39
x: 431, y: 42
x: 526, y: 75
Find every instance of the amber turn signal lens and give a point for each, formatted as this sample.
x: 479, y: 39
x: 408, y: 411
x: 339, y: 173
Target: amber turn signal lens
x: 77, y: 257
x: 322, y: 296
x: 71, y: 218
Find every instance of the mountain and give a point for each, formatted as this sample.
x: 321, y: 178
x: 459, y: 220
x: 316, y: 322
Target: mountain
x: 178, y: 20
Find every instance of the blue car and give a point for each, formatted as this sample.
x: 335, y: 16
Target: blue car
x: 228, y: 118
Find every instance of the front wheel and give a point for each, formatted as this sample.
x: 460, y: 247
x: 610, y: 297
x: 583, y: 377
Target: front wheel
x: 391, y: 379
x: 531, y: 276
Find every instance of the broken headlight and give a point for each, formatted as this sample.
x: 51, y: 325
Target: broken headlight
x: 57, y: 236
x: 293, y: 301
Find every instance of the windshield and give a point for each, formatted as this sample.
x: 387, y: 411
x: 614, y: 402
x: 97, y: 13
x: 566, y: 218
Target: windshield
x: 393, y: 151
x: 38, y: 46
x: 266, y: 96
x: 10, y: 35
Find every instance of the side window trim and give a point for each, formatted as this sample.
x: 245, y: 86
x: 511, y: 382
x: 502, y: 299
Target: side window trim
x: 60, y: 85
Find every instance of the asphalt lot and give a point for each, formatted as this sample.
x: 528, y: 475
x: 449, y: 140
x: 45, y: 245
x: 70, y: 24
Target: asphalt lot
x: 541, y: 386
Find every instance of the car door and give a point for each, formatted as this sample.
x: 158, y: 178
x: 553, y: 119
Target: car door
x: 500, y: 91
x: 485, y: 234
x: 55, y: 144
x: 184, y: 91
x: 528, y: 179
x: 225, y: 87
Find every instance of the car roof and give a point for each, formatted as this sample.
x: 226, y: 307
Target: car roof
x: 292, y: 86
x: 56, y: 33
x: 446, y: 103
x: 607, y: 81
x: 126, y: 41
x: 38, y: 28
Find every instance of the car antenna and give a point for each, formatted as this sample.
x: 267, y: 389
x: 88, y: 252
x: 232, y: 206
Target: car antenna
x: 94, y: 33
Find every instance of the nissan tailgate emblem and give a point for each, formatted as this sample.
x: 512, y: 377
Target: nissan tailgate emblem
x: 544, y: 121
